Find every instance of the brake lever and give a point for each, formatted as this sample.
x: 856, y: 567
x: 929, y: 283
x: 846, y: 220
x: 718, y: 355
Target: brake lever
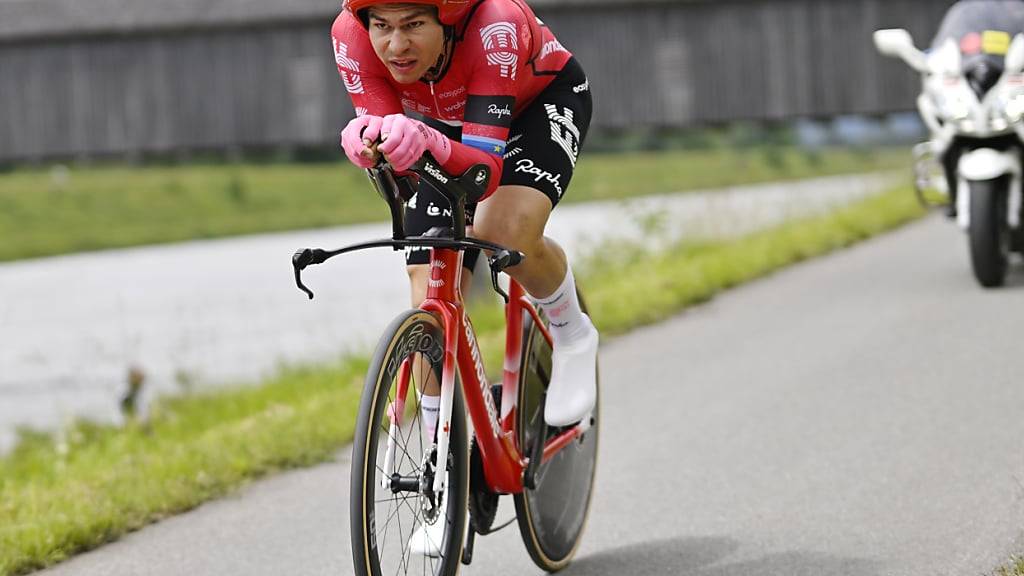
x: 300, y: 260
x: 501, y: 260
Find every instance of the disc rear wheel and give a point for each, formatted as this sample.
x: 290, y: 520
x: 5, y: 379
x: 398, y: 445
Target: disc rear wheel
x: 552, y: 515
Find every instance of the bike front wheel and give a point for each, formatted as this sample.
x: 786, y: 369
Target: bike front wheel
x: 393, y: 465
x: 552, y: 515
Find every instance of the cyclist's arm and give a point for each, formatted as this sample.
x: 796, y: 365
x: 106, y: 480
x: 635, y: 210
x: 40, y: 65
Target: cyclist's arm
x: 480, y: 144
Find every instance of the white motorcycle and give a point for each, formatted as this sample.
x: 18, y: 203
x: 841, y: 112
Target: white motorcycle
x: 973, y: 104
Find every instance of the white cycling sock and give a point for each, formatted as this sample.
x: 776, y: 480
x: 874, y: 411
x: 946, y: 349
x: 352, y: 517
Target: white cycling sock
x: 430, y: 406
x: 567, y: 324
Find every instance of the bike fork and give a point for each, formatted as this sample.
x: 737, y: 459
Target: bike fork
x: 395, y: 411
x: 444, y: 417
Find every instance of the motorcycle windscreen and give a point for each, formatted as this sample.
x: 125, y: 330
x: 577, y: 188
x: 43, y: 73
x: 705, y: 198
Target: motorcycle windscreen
x: 982, y: 27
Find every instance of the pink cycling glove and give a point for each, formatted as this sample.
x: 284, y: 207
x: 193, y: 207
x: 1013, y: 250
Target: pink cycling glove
x: 405, y: 141
x: 353, y: 136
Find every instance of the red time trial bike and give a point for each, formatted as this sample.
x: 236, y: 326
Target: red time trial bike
x: 400, y: 478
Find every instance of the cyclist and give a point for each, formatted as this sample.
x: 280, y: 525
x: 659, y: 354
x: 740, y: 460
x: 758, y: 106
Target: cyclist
x: 478, y: 81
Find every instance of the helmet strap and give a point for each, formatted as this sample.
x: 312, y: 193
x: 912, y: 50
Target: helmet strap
x: 439, y: 68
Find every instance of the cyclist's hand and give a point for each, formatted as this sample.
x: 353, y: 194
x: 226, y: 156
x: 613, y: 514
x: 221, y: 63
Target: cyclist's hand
x: 358, y: 137
x: 405, y: 140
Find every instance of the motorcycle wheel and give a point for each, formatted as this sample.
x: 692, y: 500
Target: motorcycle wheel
x: 988, y: 231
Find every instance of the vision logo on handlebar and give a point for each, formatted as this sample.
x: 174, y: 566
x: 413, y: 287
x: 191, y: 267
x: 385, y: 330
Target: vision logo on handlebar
x: 433, y: 171
x: 468, y: 188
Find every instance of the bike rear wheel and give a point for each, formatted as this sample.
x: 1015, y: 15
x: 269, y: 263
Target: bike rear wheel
x: 387, y: 506
x: 552, y: 515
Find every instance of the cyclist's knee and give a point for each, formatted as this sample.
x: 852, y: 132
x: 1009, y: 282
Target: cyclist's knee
x: 514, y: 217
x: 508, y: 233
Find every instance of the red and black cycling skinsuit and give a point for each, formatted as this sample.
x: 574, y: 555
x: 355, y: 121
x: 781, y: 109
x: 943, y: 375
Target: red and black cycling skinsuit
x: 510, y: 96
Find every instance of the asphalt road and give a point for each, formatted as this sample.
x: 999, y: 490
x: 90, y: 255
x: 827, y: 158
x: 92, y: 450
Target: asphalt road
x: 856, y: 415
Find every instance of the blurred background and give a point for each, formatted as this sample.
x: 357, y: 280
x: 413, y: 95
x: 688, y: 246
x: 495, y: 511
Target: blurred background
x: 90, y: 79
x: 131, y: 123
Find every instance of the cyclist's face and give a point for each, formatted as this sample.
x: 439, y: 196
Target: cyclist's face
x: 407, y: 39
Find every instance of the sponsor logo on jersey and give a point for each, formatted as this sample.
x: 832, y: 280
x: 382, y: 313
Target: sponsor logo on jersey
x: 490, y: 110
x: 348, y: 68
x: 502, y: 47
x: 550, y: 47
x: 526, y: 166
x: 455, y: 107
x: 452, y: 93
x: 513, y: 152
x: 415, y: 106
x: 563, y: 131
x: 582, y: 87
x: 499, y: 111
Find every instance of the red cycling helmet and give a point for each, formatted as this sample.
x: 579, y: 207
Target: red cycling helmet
x: 449, y: 12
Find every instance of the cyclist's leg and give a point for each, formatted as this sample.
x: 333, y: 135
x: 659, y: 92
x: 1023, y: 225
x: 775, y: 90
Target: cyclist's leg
x: 515, y: 217
x: 543, y: 145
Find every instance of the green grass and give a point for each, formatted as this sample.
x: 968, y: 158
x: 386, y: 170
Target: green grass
x: 54, y: 211
x: 692, y: 273
x: 97, y: 482
x: 59, y: 497
x: 1014, y: 568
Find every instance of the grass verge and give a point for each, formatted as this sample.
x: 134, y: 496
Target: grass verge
x: 59, y: 497
x: 1014, y: 568
x: 61, y: 210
